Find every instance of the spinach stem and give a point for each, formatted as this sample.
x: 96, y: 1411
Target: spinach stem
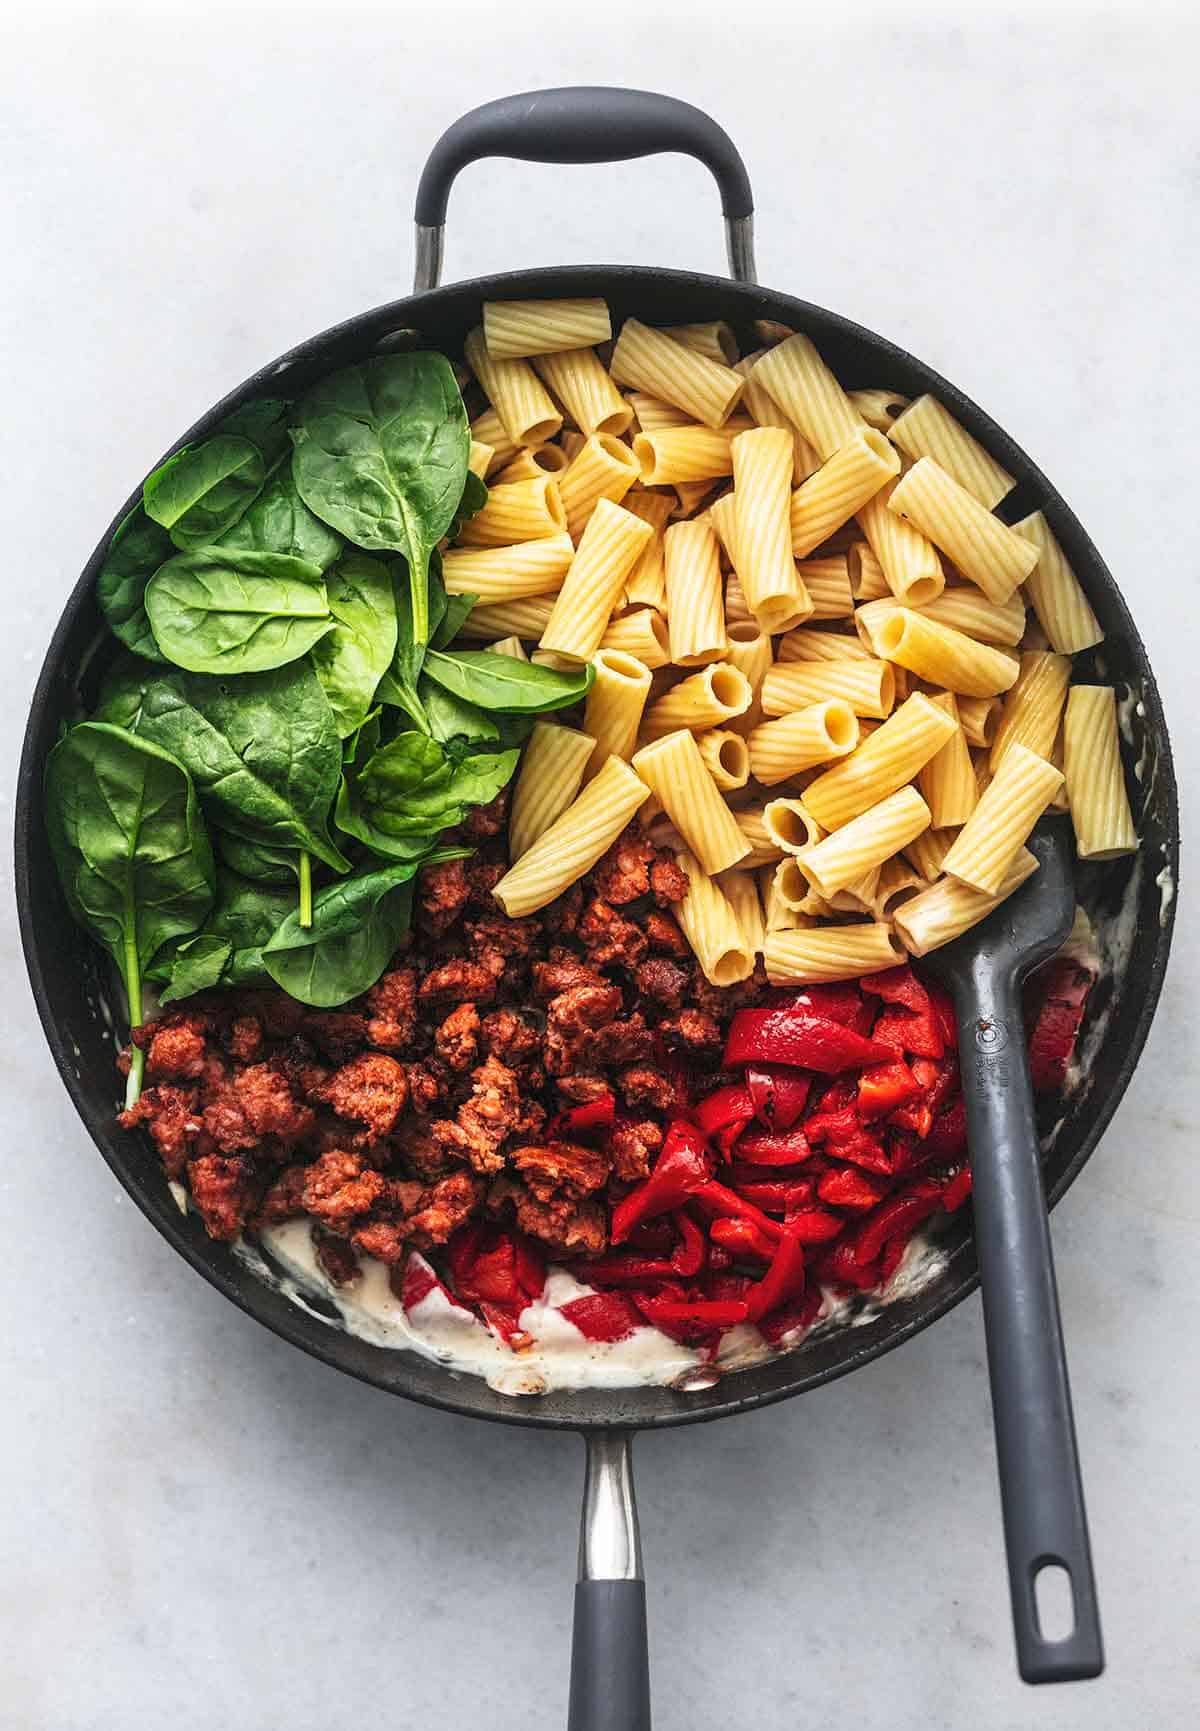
x: 418, y: 580
x: 133, y: 994
x: 306, y: 911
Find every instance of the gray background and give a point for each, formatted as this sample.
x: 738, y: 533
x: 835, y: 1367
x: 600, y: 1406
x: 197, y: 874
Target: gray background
x: 204, y: 1528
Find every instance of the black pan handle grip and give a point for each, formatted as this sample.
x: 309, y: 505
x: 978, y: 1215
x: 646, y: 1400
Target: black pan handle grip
x: 610, y: 1667
x: 583, y: 123
x: 1045, y: 1522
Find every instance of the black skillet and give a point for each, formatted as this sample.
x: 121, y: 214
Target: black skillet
x: 1131, y: 900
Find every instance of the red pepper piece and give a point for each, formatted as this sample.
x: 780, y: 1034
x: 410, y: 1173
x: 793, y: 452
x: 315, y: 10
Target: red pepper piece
x: 691, y: 1320
x: 419, y: 1280
x: 494, y: 1267
x: 778, y: 1196
x: 840, y: 1001
x: 900, y: 1215
x: 840, y: 1268
x: 845, y: 1139
x: 595, y: 1118
x: 901, y: 1031
x: 957, y: 1189
x: 688, y: 1258
x: 732, y: 1288
x: 845, y: 1187
x: 724, y: 1115
x: 683, y: 1166
x: 505, y: 1321
x: 838, y: 1095
x: 1051, y: 1044
x: 945, y: 1084
x: 602, y: 1315
x: 742, y: 1238
x: 791, y: 1149
x: 898, y: 986
x: 718, y: 1257
x: 529, y: 1266
x: 783, y: 1281
x: 893, y: 1256
x: 653, y: 1238
x: 718, y: 1200
x: 947, y: 1140
x: 779, y: 1094
x: 814, y: 1225
x: 944, y: 1015
x: 790, y: 1318
x: 917, y: 1118
x: 798, y: 1036
x: 884, y: 1087
x: 619, y: 1268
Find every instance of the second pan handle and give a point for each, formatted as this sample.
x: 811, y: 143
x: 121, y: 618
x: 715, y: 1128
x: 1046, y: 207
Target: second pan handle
x: 583, y: 123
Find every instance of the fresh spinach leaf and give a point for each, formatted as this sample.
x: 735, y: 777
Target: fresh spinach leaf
x: 195, y: 966
x: 265, y: 424
x: 501, y: 683
x: 453, y: 722
x: 244, y: 917
x: 228, y: 610
x: 280, y: 522
x: 381, y: 456
x: 474, y: 498
x: 257, y: 860
x: 137, y: 549
x: 358, y: 746
x: 357, y: 653
x: 263, y: 751
x: 122, y: 691
x: 131, y: 849
x: 356, y: 927
x: 453, y: 619
x: 410, y: 788
x: 202, y: 490
x: 398, y: 687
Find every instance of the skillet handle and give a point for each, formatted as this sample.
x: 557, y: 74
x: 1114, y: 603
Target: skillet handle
x: 583, y: 123
x: 610, y: 1668
x: 1041, y: 1492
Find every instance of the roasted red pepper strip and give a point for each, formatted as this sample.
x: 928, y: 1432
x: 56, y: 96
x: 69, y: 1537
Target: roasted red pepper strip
x: 777, y: 1196
x: 602, y: 1315
x: 898, y: 986
x: 848, y: 1188
x: 596, y: 1117
x: 814, y: 1225
x: 798, y: 1036
x: 791, y: 1317
x: 783, y: 1281
x: 690, y: 1319
x: 948, y: 1137
x: 688, y: 1257
x: 682, y: 1168
x: 718, y: 1199
x: 791, y: 1149
x: 653, y: 1238
x: 839, y: 1267
x: 904, y: 1032
x: 620, y: 1268
x: 418, y: 1280
x: 840, y: 1001
x: 724, y: 1115
x: 741, y: 1238
x: 957, y: 1189
x: 494, y: 1267
x: 779, y: 1094
x: 884, y: 1087
x: 900, y: 1215
x: 917, y: 1118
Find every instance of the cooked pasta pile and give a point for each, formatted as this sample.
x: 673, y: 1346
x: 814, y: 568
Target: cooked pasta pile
x: 826, y: 672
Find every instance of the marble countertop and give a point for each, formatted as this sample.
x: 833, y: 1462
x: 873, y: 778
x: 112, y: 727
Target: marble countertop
x: 202, y: 1526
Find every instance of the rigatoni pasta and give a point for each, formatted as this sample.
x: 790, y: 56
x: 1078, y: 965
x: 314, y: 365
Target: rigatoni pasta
x: 892, y: 756
x: 614, y: 705
x: 651, y: 361
x: 518, y: 511
x: 809, y: 955
x: 602, y: 468
x: 526, y: 618
x: 1033, y: 707
x: 673, y: 770
x: 607, y: 552
x: 866, y: 841
x: 947, y: 782
x: 573, y: 842
x: 949, y: 908
x: 1104, y: 827
x: 810, y: 396
x: 695, y: 604
x: 710, y: 698
x: 643, y: 634
x: 712, y: 927
x: 514, y: 390
x: 907, y: 560
x: 868, y: 686
x: 926, y: 429
x: 741, y: 892
x: 1017, y: 795
x: 943, y: 656
x: 726, y: 757
x: 586, y: 391
x: 1056, y: 593
x: 841, y: 486
x: 782, y: 748
x: 499, y: 574
x: 985, y: 550
x: 513, y: 330
x: 552, y: 769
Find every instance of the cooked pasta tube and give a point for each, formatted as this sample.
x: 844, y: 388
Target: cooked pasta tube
x: 515, y: 392
x: 695, y: 606
x: 965, y: 609
x: 780, y: 749
x: 809, y: 644
x: 527, y: 618
x: 518, y: 511
x: 762, y: 473
x: 726, y: 758
x: 808, y: 956
x: 722, y: 514
x: 865, y: 841
x: 713, y: 338
x: 765, y: 412
x: 897, y: 883
x: 979, y: 718
x: 763, y: 850
x: 479, y: 458
x: 947, y: 782
x: 741, y: 892
x: 926, y: 852
x: 531, y: 462
x: 983, y: 770
x: 794, y: 891
x: 749, y: 650
x: 489, y: 429
x: 948, y: 908
x: 651, y: 361
x: 607, y: 552
x: 883, y: 763
x: 778, y: 914
x: 985, y: 550
x: 642, y: 634
x: 867, y: 581
x: 790, y: 826
x: 602, y: 468
x: 857, y: 897
x: 585, y: 390
x: 711, y: 926
x: 670, y: 456
x: 710, y: 698
x: 736, y: 610
x: 513, y: 330
x: 570, y: 444
x: 943, y: 656
x: 1095, y: 780
x: 651, y: 413
x: 828, y: 583
x: 1056, y: 593
x: 1017, y: 795
x: 510, y: 646
x: 574, y: 841
x: 841, y: 486
x: 646, y: 585
x: 673, y: 769
x: 909, y: 561
x: 1033, y: 707
x: 614, y: 705
x: 502, y: 574
x: 867, y: 686
x: 690, y: 498
x: 549, y: 778
x: 802, y: 385
x: 926, y: 429
x: 879, y: 408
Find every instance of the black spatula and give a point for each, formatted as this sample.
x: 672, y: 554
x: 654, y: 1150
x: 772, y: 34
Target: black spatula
x: 1044, y: 1518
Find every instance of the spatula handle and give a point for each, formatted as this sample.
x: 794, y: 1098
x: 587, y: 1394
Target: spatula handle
x: 1044, y: 1517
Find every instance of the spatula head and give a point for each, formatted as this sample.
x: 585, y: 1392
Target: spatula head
x: 1031, y: 924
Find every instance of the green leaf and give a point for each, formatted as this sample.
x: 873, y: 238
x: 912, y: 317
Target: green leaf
x: 411, y: 789
x: 263, y: 751
x: 265, y: 424
x: 499, y: 682
x: 474, y: 498
x: 454, y: 618
x: 257, y: 860
x: 137, y: 549
x: 451, y: 720
x: 196, y: 966
x: 356, y: 927
x: 381, y: 456
x: 122, y: 692
x: 228, y: 610
x: 280, y: 522
x: 227, y: 951
x: 398, y: 687
x: 202, y: 490
x: 357, y: 653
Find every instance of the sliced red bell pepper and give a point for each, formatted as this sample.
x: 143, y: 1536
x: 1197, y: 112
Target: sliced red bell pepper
x: 884, y: 1087
x: 840, y: 1001
x: 779, y: 1094
x: 790, y: 1318
x: 846, y: 1187
x: 506, y: 1322
x: 905, y: 1032
x: 798, y: 1036
x: 1051, y: 1044
x: 947, y: 1140
x: 840, y: 1268
x: 789, y: 1149
x: 814, y: 1225
x: 691, y: 1319
x: 844, y: 1138
x: 689, y: 1255
x: 776, y: 1196
x: 741, y: 1238
x: 718, y: 1200
x: 620, y: 1268
x: 944, y: 1015
x: 723, y: 1115
x: 718, y: 1257
x: 916, y: 1118
x: 956, y: 1190
x: 783, y: 1281
x: 594, y: 1118
x: 730, y: 1288
x: 653, y: 1238
x: 603, y: 1316
x: 901, y: 1214
x: 893, y: 1256
x: 418, y: 1280
x: 683, y: 1166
